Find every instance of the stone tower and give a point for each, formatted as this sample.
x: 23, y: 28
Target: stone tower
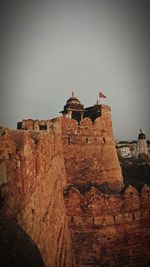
x: 89, y: 149
x: 141, y: 145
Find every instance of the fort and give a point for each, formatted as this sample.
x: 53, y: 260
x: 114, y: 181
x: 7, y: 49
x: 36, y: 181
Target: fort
x: 62, y: 182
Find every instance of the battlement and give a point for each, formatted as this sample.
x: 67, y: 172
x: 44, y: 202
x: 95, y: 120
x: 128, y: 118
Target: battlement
x: 36, y: 125
x: 96, y: 210
x: 94, y: 112
x: 106, y: 228
x: 95, y: 203
x: 87, y: 133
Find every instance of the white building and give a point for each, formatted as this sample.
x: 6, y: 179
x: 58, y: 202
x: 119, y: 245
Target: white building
x: 125, y: 152
x: 142, y: 148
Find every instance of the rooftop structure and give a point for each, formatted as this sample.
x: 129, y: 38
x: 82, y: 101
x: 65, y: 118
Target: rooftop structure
x: 73, y: 109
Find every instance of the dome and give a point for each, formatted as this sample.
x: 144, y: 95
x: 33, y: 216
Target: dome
x: 141, y: 135
x: 73, y: 100
x: 74, y: 106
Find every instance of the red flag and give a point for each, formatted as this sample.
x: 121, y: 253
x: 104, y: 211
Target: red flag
x: 102, y: 95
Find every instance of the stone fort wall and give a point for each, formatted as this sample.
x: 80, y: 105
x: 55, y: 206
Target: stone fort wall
x: 32, y: 175
x: 110, y: 230
x: 35, y: 125
x: 89, y: 152
x: 86, y: 143
x: 109, y: 224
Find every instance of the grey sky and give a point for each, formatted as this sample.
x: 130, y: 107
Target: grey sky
x: 51, y: 48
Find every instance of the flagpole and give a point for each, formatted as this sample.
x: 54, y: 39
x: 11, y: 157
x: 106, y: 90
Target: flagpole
x: 99, y: 97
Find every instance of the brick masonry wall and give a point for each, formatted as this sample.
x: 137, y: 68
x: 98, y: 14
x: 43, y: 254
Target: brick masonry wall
x: 90, y: 154
x: 109, y: 224
x: 110, y: 230
x: 33, y: 172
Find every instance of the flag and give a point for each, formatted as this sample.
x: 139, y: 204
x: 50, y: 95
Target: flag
x: 101, y: 95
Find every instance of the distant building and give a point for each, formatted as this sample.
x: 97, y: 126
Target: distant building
x: 133, y: 146
x: 126, y: 149
x: 125, y: 152
x: 142, y: 147
x: 134, y: 149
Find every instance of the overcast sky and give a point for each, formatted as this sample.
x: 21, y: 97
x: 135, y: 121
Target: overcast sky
x: 50, y: 48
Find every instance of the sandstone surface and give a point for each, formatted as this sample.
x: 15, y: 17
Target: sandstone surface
x: 65, y: 188
x: 33, y: 192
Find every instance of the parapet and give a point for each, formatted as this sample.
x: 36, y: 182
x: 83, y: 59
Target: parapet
x: 3, y: 131
x: 39, y: 125
x: 95, y: 203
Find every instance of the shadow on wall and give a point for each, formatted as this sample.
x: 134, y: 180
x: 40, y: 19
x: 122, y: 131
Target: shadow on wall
x: 16, y: 247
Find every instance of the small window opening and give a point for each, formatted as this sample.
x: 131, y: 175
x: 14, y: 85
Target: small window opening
x: 69, y: 139
x: 43, y: 127
x: 104, y: 140
x: 87, y: 139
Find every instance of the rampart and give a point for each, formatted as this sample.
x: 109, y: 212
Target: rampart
x: 32, y: 179
x: 95, y: 204
x: 36, y: 125
x: 88, y: 142
x: 110, y: 230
